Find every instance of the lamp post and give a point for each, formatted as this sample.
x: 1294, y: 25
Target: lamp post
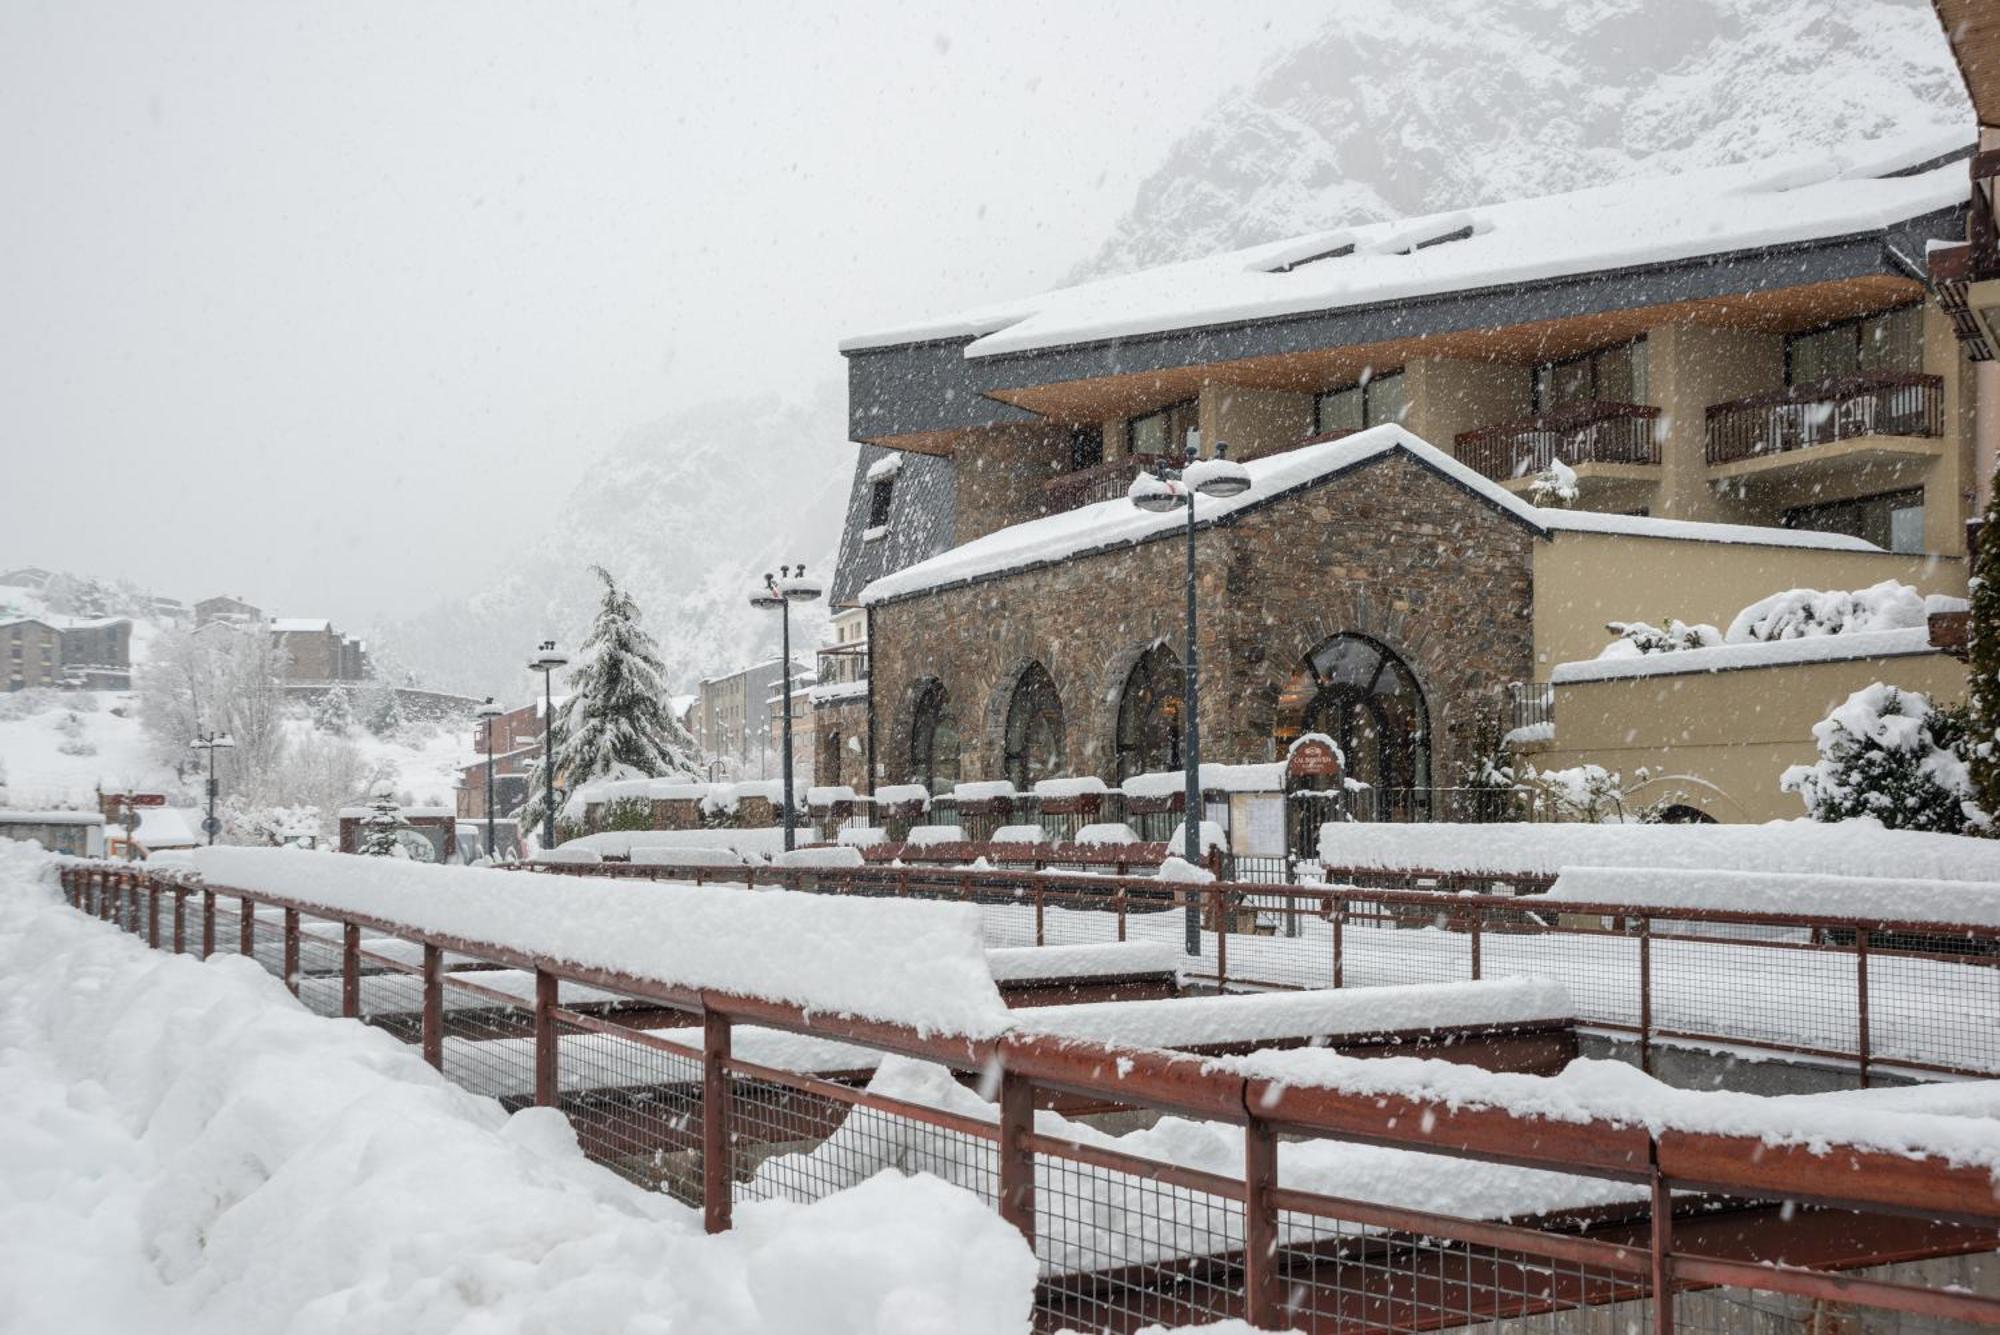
x: 1161, y: 493
x: 780, y: 592
x: 486, y: 714
x: 211, y: 742
x: 546, y: 660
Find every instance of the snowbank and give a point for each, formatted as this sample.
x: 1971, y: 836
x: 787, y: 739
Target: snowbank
x: 1797, y: 614
x: 922, y: 836
x: 903, y: 961
x: 1180, y: 1022
x: 839, y: 855
x: 1728, y: 657
x: 1115, y: 959
x: 1842, y: 848
x: 690, y: 855
x: 184, y: 1149
x: 1972, y: 903
x: 621, y: 843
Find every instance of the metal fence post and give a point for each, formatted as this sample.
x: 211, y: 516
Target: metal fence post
x: 207, y: 923
x: 180, y: 919
x: 292, y: 951
x: 1017, y: 1160
x: 350, y: 970
x: 1861, y: 1035
x: 1121, y: 895
x: 1221, y: 939
x: 545, y: 1039
x: 1261, y: 1291
x: 1339, y: 934
x: 1662, y: 1253
x: 152, y: 913
x: 246, y: 930
x: 1478, y: 920
x: 433, y: 1027
x: 717, y: 1170
x: 1646, y: 995
x: 1039, y: 939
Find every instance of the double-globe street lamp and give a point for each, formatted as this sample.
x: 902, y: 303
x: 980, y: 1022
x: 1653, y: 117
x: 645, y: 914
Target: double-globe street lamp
x: 780, y: 592
x: 211, y: 742
x: 486, y: 713
x: 1162, y: 492
x: 546, y: 660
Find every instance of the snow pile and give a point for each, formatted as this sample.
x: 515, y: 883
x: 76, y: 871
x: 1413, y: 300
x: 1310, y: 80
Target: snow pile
x: 1211, y: 834
x: 187, y: 1150
x: 1555, y: 485
x: 861, y: 836
x: 827, y: 794
x: 691, y: 855
x: 571, y: 855
x: 1639, y: 637
x: 1106, y: 834
x: 1112, y: 959
x: 1797, y: 614
x: 836, y: 855
x: 1178, y: 869
x: 1867, y: 898
x: 902, y: 961
x: 980, y: 790
x: 1060, y: 789
x: 1267, y: 777
x: 1849, y: 848
x: 897, y: 794
x: 763, y: 840
x: 923, y: 836
x: 1019, y: 834
x: 1192, y: 1022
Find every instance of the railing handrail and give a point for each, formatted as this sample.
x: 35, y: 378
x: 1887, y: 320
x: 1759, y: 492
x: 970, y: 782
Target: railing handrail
x: 1561, y: 419
x: 1832, y: 389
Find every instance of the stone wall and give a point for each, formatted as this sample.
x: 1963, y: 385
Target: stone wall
x: 1391, y: 550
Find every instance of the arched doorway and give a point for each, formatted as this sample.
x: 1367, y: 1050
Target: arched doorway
x: 1149, y: 715
x: 933, y: 738
x: 1367, y: 700
x: 1034, y: 731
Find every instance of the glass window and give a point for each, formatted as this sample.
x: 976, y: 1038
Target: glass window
x: 1609, y: 375
x: 879, y: 500
x: 1372, y: 402
x: 1168, y: 431
x: 1149, y: 715
x: 1893, y: 521
x: 1886, y: 343
x: 1086, y: 447
x: 1034, y: 733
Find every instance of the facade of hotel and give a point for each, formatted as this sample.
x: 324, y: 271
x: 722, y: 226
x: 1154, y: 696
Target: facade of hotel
x: 1741, y: 367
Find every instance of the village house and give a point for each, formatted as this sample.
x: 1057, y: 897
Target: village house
x: 1737, y: 373
x: 94, y: 653
x: 733, y: 718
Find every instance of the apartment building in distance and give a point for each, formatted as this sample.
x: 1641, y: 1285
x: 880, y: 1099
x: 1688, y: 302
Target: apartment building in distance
x: 731, y: 718
x: 46, y: 651
x: 1726, y: 383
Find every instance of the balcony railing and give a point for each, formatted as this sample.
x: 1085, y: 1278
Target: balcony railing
x: 1086, y: 486
x: 1598, y: 433
x: 1795, y: 418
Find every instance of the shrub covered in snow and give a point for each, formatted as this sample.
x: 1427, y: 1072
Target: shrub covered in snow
x: 1554, y: 485
x: 1582, y: 792
x: 1640, y: 637
x: 378, y: 828
x: 1798, y: 614
x: 1888, y: 754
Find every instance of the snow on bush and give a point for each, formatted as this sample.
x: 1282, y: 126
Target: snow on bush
x: 1886, y: 753
x: 1581, y: 793
x: 186, y: 1148
x: 1798, y: 614
x: 1554, y: 485
x: 1639, y: 637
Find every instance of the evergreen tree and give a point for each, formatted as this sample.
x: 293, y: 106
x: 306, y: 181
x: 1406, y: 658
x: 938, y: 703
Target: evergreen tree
x: 385, y: 713
x: 378, y: 828
x: 1887, y: 753
x: 1983, y: 678
x: 335, y: 711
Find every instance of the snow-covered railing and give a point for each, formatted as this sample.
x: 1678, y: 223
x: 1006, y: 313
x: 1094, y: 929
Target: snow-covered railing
x: 1799, y: 416
x: 1449, y: 1195
x: 1588, y: 433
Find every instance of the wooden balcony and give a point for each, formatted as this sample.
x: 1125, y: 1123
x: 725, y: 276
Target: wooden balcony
x: 1799, y: 417
x: 1099, y: 482
x: 1589, y: 433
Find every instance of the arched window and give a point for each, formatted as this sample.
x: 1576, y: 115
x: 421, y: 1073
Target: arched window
x: 1366, y: 699
x: 1149, y: 715
x: 933, y: 739
x: 1034, y: 742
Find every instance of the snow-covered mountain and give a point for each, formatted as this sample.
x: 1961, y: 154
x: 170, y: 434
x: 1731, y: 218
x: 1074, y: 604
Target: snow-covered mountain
x: 1396, y: 109
x: 687, y: 512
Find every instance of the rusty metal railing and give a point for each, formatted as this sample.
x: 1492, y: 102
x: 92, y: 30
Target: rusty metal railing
x: 684, y: 1091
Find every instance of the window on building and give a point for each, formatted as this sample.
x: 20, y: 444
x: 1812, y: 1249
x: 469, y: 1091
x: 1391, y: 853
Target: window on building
x: 1034, y: 735
x: 1372, y: 402
x: 1086, y: 447
x: 1149, y: 715
x: 1367, y: 700
x: 1169, y: 431
x: 1888, y: 342
x: 880, y: 496
x: 1608, y: 375
x: 933, y: 738
x: 1893, y: 520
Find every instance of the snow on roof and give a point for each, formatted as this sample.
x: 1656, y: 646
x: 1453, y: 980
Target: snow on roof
x: 1119, y: 523
x: 1216, y: 777
x: 1759, y: 653
x: 15, y: 816
x: 838, y: 690
x: 1843, y: 848
x: 1746, y: 206
x: 1690, y: 530
x: 898, y: 961
x: 300, y: 625
x: 1878, y: 898
x: 165, y: 827
x: 886, y: 467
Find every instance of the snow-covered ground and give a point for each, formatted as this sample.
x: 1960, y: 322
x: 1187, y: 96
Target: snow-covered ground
x: 183, y: 1148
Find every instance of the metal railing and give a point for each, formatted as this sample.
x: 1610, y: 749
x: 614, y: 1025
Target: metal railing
x: 1781, y: 420
x: 676, y: 1089
x: 1099, y: 482
x: 1603, y: 433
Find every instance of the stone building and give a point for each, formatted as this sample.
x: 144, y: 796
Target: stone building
x: 46, y: 651
x: 314, y: 651
x: 1731, y: 383
x: 30, y: 653
x: 224, y: 607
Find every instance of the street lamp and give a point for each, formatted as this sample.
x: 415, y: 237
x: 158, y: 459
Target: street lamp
x: 546, y: 660
x: 780, y: 592
x: 486, y: 713
x: 211, y: 742
x: 1161, y: 493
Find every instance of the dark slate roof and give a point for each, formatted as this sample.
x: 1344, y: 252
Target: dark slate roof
x: 920, y: 521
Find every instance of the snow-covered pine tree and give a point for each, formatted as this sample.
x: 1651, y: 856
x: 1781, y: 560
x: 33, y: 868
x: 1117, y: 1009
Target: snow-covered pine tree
x: 379, y: 826
x: 1889, y: 754
x: 335, y: 711
x: 1983, y: 668
x: 385, y: 715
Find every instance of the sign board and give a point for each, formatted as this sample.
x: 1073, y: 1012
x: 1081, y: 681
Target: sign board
x: 136, y: 799
x: 1312, y: 758
x: 1257, y: 825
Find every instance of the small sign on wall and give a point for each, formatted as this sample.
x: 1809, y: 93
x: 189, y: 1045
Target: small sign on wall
x: 1257, y: 825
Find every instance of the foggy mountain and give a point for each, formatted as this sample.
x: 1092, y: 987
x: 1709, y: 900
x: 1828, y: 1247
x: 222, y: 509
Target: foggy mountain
x: 1389, y: 111
x: 687, y: 512
x: 1398, y: 109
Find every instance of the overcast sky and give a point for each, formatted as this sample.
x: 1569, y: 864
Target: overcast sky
x: 316, y: 303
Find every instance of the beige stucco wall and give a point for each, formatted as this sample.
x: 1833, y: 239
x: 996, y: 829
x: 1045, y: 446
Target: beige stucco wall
x: 1253, y: 422
x: 1719, y: 740
x: 1448, y: 396
x: 1688, y: 368
x: 1583, y: 580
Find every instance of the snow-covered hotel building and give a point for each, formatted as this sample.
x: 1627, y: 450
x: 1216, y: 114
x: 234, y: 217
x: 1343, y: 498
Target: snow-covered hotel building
x: 1740, y: 366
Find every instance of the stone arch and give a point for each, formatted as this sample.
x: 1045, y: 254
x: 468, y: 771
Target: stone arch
x: 931, y: 744
x: 1685, y: 790
x: 1362, y: 694
x: 1033, y: 731
x: 1146, y: 731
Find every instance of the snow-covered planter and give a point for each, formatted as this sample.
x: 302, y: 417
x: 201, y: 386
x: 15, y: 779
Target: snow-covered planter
x: 1554, y: 485
x: 1636, y: 638
x: 1888, y: 754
